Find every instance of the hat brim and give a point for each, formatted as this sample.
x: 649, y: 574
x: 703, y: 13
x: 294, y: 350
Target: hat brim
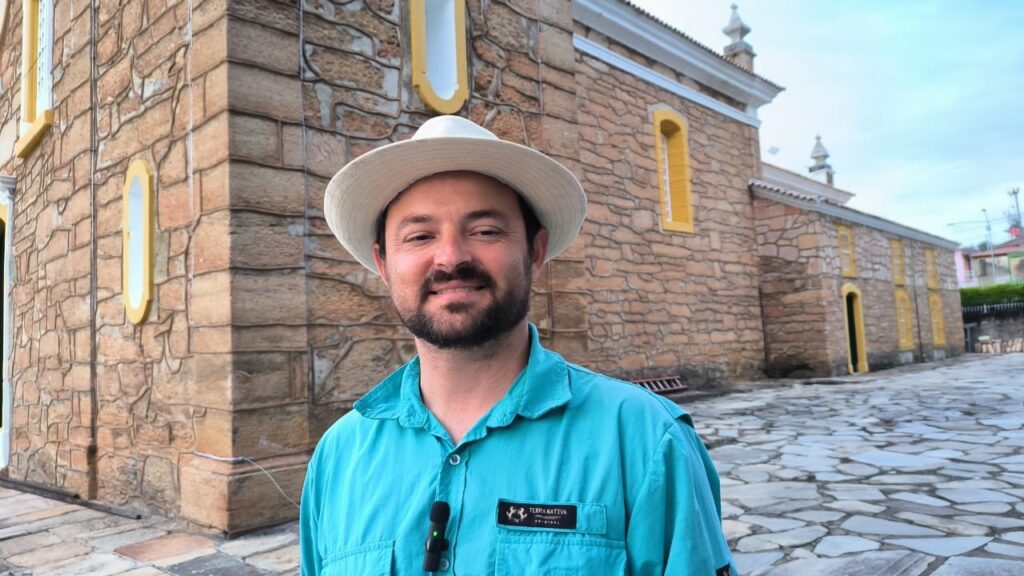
x: 364, y: 187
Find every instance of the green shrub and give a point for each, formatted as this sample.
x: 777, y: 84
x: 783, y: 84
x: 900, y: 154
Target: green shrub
x: 997, y: 294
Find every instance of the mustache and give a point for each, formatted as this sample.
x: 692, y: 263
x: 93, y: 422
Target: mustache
x: 465, y: 272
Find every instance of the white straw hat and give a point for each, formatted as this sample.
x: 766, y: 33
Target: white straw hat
x: 361, y: 190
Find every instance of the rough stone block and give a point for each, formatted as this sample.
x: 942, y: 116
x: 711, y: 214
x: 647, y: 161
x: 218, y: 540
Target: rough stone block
x: 266, y: 47
x: 255, y: 138
x: 266, y: 189
x: 263, y: 93
x: 210, y: 299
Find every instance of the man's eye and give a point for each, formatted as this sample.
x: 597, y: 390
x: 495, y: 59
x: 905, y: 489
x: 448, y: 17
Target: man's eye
x: 487, y: 232
x: 418, y: 238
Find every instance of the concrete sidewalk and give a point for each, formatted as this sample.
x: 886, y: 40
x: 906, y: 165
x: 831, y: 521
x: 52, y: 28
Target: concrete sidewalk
x: 910, y: 472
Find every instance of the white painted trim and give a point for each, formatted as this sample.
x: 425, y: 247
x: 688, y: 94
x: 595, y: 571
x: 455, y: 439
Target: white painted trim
x: 605, y: 55
x: 6, y: 198
x: 792, y: 181
x: 624, y: 24
x: 766, y: 190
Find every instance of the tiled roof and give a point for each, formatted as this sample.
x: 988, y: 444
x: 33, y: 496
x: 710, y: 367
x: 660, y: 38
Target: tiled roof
x: 829, y: 207
x: 792, y: 193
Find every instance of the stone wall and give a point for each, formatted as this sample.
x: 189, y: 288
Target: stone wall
x: 996, y: 331
x: 802, y: 287
x: 154, y: 102
x: 102, y: 407
x: 798, y: 289
x: 52, y: 246
x: 664, y: 303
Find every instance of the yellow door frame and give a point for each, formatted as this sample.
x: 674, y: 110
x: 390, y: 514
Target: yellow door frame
x: 858, y: 323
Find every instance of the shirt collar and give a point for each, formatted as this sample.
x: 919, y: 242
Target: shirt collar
x: 542, y: 386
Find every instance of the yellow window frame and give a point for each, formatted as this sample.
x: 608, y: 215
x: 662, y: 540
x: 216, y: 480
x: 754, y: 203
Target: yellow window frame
x: 137, y: 313
x: 899, y: 264
x: 672, y: 149
x: 938, y: 325
x: 847, y: 250
x: 420, y: 61
x: 904, y: 326
x: 33, y: 126
x: 930, y: 269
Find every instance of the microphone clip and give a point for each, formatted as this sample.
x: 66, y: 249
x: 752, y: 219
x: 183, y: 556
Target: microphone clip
x: 436, y: 543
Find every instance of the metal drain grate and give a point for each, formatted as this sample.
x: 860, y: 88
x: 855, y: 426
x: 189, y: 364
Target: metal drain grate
x: 663, y: 385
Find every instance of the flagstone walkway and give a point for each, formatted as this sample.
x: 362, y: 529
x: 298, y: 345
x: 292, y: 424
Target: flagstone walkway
x: 44, y: 537
x: 899, y: 473
x: 909, y: 472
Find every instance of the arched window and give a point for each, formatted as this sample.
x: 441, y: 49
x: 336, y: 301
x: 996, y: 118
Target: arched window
x: 137, y: 249
x: 36, y: 74
x: 904, y: 326
x: 439, y: 69
x: 672, y: 150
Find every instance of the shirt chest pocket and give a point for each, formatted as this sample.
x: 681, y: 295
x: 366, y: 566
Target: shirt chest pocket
x: 553, y: 554
x: 556, y: 540
x: 372, y: 559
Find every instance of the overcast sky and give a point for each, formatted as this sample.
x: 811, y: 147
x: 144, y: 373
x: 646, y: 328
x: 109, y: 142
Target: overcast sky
x: 920, y: 103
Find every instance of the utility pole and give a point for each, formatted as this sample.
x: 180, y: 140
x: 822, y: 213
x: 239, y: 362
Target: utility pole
x: 1015, y: 193
x: 988, y: 232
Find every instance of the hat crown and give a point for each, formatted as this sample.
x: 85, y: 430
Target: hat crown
x: 451, y: 127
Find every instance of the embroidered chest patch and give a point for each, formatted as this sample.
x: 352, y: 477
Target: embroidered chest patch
x: 534, y: 515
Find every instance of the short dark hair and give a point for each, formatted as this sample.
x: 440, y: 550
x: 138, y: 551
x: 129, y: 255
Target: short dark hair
x: 530, y: 220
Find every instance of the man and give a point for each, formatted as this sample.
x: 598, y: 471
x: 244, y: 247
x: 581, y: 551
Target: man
x: 488, y: 454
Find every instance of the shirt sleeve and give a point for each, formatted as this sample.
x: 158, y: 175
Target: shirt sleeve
x: 309, y: 520
x: 675, y: 526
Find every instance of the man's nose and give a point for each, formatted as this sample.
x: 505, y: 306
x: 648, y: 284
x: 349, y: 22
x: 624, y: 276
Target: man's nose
x: 452, y: 250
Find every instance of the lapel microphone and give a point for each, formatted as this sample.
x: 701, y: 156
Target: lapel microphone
x: 436, y: 543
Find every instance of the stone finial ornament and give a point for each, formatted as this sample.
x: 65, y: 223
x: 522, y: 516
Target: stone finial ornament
x: 821, y: 169
x: 739, y: 51
x: 819, y: 154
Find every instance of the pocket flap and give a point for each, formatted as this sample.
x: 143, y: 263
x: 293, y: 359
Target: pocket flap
x: 373, y: 559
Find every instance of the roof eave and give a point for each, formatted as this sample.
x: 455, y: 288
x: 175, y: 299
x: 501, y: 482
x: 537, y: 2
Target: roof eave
x: 791, y: 180
x: 639, y: 31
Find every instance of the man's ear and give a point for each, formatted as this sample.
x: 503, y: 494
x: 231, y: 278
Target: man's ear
x: 378, y: 261
x: 539, y: 253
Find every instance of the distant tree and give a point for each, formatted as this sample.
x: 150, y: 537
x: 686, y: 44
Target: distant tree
x: 984, y: 245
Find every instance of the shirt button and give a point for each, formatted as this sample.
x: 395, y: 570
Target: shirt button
x: 443, y: 565
x: 454, y: 459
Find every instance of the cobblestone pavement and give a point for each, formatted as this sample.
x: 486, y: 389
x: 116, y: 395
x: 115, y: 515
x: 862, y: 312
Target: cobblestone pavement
x: 904, y: 473
x: 917, y: 471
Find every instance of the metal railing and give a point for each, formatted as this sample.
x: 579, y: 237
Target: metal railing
x: 990, y: 308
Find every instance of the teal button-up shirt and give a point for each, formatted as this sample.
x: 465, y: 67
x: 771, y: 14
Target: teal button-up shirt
x: 570, y: 473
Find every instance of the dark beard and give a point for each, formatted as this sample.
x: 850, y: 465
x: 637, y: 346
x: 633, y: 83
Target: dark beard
x: 506, y: 311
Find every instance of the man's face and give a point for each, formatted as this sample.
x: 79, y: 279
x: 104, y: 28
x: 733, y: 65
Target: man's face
x: 458, y: 261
